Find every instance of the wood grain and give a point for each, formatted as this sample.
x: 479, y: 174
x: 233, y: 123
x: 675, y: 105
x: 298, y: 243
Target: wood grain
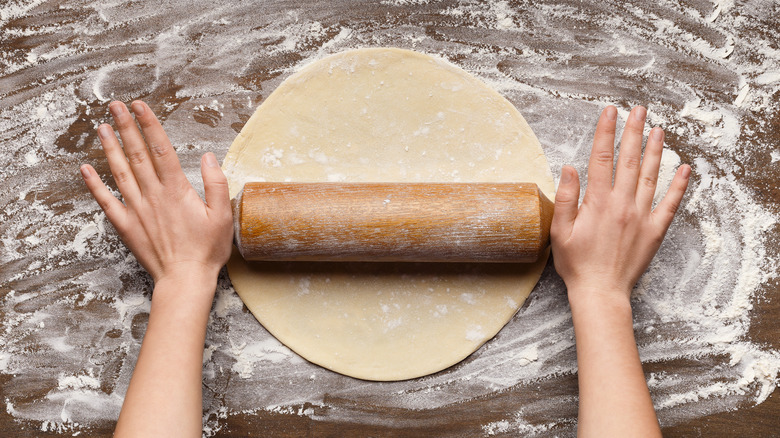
x: 392, y: 222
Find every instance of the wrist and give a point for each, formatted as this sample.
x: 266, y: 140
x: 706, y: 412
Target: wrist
x: 188, y: 273
x: 601, y: 313
x: 599, y: 299
x: 190, y: 283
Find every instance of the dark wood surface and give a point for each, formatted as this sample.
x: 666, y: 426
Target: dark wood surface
x: 235, y: 56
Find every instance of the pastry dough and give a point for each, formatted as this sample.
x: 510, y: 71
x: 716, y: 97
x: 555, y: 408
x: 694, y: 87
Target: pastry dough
x: 384, y: 115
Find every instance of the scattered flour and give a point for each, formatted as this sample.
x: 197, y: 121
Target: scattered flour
x: 268, y: 350
x: 78, y: 382
x: 74, y: 300
x: 528, y: 355
x: 474, y: 334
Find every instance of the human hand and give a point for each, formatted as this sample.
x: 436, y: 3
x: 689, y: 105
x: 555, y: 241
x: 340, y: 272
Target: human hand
x: 163, y: 221
x: 606, y: 244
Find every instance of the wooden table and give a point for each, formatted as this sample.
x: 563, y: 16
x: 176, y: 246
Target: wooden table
x: 73, y: 303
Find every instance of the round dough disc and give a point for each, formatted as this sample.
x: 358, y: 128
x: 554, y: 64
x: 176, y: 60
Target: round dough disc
x: 384, y: 115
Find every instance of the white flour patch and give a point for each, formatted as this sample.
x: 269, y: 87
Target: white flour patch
x: 248, y: 356
x: 474, y: 334
x: 528, y: 355
x: 78, y: 382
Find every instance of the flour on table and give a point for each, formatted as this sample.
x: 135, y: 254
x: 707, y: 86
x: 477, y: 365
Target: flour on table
x: 93, y: 305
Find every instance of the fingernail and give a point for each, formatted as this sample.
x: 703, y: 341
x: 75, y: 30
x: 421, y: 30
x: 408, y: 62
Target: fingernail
x: 639, y: 114
x: 211, y: 160
x: 138, y: 108
x: 84, y: 171
x: 104, y: 131
x: 611, y: 113
x: 658, y: 134
x: 686, y: 171
x: 116, y: 108
x: 565, y: 176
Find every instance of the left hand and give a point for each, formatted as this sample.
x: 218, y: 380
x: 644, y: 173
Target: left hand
x: 163, y: 221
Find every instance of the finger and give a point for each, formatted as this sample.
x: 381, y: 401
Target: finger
x: 134, y: 147
x: 602, y: 154
x: 214, y: 184
x: 566, y: 200
x: 630, y: 155
x: 116, y: 212
x: 162, y: 154
x: 648, y: 173
x: 666, y: 209
x: 117, y: 162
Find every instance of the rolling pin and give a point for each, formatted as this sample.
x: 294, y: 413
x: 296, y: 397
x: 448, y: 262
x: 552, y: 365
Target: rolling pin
x: 392, y: 222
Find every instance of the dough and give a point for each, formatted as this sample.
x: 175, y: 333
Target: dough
x: 384, y: 115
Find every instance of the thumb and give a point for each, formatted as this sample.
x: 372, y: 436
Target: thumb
x: 566, y: 200
x: 214, y: 183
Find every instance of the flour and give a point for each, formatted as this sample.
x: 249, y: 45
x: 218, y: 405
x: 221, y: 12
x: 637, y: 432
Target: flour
x: 474, y: 333
x: 75, y: 302
x: 96, y: 228
x: 527, y: 355
x: 252, y: 355
x: 78, y: 382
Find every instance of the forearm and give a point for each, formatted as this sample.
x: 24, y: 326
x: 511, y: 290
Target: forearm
x: 164, y: 397
x: 614, y: 398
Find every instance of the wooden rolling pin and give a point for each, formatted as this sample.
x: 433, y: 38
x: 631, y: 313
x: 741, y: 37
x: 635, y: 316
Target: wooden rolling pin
x: 406, y: 222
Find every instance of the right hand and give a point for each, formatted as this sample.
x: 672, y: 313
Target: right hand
x: 607, y: 243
